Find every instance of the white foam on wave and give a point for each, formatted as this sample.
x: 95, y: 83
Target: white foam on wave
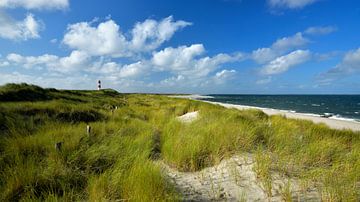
x: 310, y: 114
x: 333, y: 116
x: 195, y: 97
x: 338, y: 117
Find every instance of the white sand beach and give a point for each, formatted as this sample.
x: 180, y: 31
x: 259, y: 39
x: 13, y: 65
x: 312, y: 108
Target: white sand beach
x: 332, y: 123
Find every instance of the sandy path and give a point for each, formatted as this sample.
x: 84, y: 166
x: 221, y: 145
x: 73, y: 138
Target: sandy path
x: 188, y: 117
x: 234, y: 179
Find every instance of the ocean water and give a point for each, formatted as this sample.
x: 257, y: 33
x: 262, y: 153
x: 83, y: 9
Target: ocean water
x: 345, y: 107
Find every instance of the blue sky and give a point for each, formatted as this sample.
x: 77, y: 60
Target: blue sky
x: 187, y: 46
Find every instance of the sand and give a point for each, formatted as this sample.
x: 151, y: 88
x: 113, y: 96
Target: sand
x: 332, y: 123
x: 235, y: 179
x: 188, y: 117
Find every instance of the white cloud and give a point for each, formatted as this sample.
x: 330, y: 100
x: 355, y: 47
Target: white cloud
x: 15, y: 77
x: 172, y: 81
x: 132, y: 70
x: 107, y: 38
x: 320, y: 30
x: 107, y: 68
x: 35, y: 4
x: 50, y: 80
x: 279, y: 47
x: 288, y: 43
x: 150, y: 34
x: 224, y: 74
x: 4, y: 63
x: 263, y: 55
x: 177, y: 58
x: 186, y: 60
x: 291, y: 4
x: 350, y: 64
x: 283, y: 63
x: 94, y: 49
x: 264, y: 81
x: 76, y: 61
x: 28, y: 28
x: 31, y: 61
x: 53, y: 41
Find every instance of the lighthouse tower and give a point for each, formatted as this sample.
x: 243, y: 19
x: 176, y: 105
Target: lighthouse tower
x: 99, y: 85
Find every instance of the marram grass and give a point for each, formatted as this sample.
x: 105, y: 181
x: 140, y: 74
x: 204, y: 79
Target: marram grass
x: 118, y: 160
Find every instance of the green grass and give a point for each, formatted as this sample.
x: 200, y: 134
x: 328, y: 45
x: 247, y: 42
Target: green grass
x: 118, y: 160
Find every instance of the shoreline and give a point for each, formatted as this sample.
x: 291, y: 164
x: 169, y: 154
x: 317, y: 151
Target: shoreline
x: 332, y: 123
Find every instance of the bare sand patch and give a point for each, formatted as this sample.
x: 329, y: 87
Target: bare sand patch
x: 188, y: 117
x: 234, y: 179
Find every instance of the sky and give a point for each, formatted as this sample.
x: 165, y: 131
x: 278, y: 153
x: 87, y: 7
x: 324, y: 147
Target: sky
x: 183, y: 46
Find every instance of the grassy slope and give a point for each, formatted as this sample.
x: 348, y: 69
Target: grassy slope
x: 118, y: 160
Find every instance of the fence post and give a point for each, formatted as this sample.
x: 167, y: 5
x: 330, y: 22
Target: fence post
x: 58, y: 146
x: 88, y: 130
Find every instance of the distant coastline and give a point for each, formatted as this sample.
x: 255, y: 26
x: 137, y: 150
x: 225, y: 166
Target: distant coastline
x: 333, y: 122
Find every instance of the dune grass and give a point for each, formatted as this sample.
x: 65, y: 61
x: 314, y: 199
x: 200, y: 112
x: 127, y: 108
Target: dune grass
x: 118, y: 160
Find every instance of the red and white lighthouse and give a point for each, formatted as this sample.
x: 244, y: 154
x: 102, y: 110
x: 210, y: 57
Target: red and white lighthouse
x: 99, y: 85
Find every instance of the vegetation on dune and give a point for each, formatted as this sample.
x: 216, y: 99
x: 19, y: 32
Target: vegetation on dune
x: 118, y: 159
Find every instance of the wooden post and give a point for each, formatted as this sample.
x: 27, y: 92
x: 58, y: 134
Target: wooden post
x: 58, y: 146
x: 88, y: 130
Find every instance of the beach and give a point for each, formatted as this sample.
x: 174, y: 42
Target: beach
x: 332, y: 123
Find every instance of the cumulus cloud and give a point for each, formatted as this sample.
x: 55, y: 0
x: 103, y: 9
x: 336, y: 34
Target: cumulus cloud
x: 350, y: 64
x: 177, y: 58
x: 279, y: 47
x: 283, y: 63
x: 320, y: 30
x: 15, y: 77
x: 150, y: 34
x: 35, y: 4
x: 49, y: 80
x: 172, y: 81
x: 76, y: 61
x: 290, y: 4
x: 132, y: 70
x: 224, y: 74
x: 23, y: 30
x: 107, y: 38
x: 287, y: 43
x: 4, y: 63
x: 96, y: 49
x: 187, y: 60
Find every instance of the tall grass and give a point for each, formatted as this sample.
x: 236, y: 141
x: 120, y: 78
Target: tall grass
x: 118, y: 159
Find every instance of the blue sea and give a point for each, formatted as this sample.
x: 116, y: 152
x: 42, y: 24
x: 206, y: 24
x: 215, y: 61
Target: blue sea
x: 346, y: 107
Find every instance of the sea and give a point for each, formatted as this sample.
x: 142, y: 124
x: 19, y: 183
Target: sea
x: 342, y: 107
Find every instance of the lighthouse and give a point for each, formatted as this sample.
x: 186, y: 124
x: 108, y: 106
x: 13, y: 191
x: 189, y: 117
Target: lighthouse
x: 99, y: 85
